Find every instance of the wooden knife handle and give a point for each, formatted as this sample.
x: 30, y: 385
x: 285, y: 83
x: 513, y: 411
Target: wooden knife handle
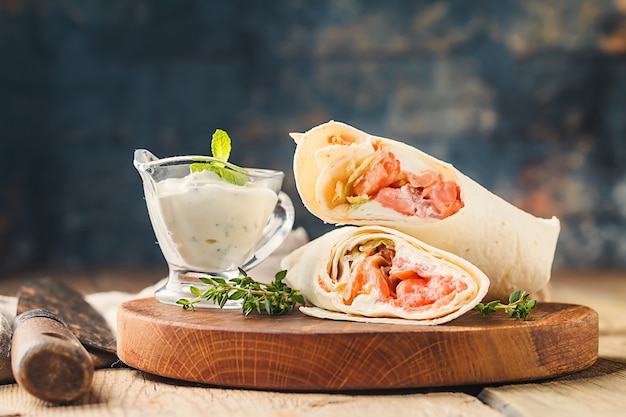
x: 5, y: 347
x: 47, y: 359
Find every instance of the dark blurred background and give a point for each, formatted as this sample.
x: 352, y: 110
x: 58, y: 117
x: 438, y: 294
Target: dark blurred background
x: 527, y: 97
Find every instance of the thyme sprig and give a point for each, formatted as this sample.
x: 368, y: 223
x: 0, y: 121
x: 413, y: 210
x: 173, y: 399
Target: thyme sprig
x: 274, y: 298
x: 519, y: 306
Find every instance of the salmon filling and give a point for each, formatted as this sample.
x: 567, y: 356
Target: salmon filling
x: 398, y: 281
x: 425, y: 194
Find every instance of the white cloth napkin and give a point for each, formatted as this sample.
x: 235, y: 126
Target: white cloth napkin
x: 107, y: 303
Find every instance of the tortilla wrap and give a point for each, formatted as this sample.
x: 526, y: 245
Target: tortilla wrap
x: 378, y: 274
x: 514, y: 248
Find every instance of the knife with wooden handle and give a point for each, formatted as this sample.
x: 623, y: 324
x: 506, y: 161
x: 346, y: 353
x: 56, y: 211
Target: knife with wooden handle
x: 6, y: 374
x: 47, y: 360
x: 58, y: 341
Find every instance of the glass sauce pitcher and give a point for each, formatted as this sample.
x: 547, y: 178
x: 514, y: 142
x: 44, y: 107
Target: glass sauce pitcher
x: 211, y: 221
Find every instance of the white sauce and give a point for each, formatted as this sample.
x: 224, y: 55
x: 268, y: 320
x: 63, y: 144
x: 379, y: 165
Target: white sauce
x: 209, y: 225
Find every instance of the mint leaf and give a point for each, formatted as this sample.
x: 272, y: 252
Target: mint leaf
x: 220, y: 148
x: 199, y: 166
x: 227, y: 174
x: 220, y: 145
x: 233, y: 177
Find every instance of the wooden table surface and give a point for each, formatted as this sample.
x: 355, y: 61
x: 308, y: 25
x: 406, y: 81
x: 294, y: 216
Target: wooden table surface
x: 598, y: 391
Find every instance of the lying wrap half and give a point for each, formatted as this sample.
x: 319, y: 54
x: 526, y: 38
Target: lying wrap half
x: 378, y: 274
x: 346, y: 176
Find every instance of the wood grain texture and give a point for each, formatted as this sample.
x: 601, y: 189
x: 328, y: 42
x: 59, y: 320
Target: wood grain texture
x: 49, y: 362
x: 69, y: 305
x: 131, y: 393
x: 300, y: 353
x: 597, y: 391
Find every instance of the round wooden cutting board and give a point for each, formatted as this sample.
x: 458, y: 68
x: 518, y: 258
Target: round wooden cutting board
x: 295, y: 352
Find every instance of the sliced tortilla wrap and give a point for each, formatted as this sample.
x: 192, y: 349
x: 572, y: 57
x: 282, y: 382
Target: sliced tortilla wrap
x: 378, y: 274
x: 346, y: 176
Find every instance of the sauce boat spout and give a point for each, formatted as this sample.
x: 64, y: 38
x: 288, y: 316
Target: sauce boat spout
x: 142, y: 157
x: 144, y: 161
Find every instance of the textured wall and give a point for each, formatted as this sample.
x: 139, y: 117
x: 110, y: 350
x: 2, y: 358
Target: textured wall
x: 527, y: 97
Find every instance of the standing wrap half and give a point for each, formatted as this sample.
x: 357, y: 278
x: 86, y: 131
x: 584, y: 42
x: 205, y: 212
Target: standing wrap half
x: 346, y: 176
x: 378, y: 274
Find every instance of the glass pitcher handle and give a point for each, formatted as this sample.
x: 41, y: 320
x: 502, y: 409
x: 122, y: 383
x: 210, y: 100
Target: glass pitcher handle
x: 275, y: 232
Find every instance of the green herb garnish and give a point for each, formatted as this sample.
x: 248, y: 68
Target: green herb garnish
x: 519, y: 306
x: 220, y: 149
x: 220, y: 145
x: 274, y: 298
